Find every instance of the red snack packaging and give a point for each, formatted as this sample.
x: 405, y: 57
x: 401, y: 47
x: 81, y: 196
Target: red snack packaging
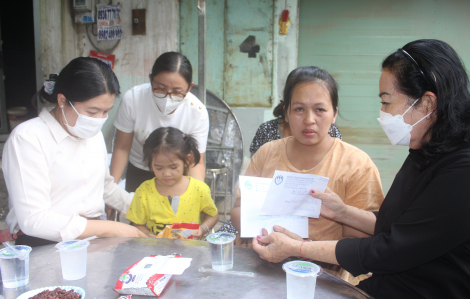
x: 136, y: 280
x: 179, y: 231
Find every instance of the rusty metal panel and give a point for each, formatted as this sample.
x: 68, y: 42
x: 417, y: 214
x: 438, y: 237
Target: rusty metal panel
x: 248, y: 53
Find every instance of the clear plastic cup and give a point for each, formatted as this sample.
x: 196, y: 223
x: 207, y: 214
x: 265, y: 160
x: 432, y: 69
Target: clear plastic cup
x: 15, y: 272
x: 221, y: 250
x: 301, y: 279
x: 73, y: 259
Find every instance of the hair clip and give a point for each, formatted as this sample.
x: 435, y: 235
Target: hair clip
x: 49, y: 87
x: 417, y: 65
x: 184, y: 135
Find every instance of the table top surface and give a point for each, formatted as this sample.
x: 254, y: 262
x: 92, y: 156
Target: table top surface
x: 107, y: 259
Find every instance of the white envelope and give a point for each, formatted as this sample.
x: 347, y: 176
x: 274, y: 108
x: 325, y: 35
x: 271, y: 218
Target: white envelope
x: 288, y: 194
x: 253, y: 193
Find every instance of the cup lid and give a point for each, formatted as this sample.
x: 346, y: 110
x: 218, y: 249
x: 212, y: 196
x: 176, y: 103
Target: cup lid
x: 69, y: 245
x: 7, y: 253
x: 221, y: 238
x: 302, y: 268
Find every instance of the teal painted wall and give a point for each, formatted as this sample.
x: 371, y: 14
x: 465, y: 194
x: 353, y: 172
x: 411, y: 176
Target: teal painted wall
x: 246, y: 84
x: 351, y: 38
x: 238, y: 79
x: 188, y: 37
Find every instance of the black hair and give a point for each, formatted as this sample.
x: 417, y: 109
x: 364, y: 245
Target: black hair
x: 173, y: 62
x: 307, y: 74
x: 438, y: 69
x: 170, y: 140
x: 83, y: 78
x: 279, y: 112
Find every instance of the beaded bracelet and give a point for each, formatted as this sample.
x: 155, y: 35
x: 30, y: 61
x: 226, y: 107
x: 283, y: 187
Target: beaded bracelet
x: 206, y: 227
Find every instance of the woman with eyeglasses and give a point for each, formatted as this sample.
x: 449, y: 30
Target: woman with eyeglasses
x: 420, y: 246
x: 164, y: 102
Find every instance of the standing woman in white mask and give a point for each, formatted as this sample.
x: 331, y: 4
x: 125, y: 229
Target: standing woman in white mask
x: 420, y: 246
x: 164, y: 102
x: 55, y: 165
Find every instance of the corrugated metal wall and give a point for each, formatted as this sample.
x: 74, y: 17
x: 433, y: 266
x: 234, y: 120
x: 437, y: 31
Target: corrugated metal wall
x: 351, y: 38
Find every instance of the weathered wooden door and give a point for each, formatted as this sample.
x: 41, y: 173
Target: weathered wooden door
x: 239, y: 49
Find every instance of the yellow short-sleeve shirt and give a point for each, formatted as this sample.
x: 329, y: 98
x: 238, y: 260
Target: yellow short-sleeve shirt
x: 154, y: 210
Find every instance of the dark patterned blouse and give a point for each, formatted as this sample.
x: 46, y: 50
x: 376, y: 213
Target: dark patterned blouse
x: 271, y: 130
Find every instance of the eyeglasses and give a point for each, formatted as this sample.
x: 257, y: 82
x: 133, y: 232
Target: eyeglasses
x: 417, y: 65
x: 174, y: 95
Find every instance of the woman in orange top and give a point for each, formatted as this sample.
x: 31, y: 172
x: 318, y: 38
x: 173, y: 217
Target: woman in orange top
x: 311, y: 105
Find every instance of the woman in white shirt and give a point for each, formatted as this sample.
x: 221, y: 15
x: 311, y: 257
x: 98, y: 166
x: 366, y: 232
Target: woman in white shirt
x: 164, y: 102
x: 55, y: 165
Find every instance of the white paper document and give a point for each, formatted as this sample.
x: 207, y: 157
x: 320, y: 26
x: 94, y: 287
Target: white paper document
x: 253, y: 193
x: 163, y: 265
x: 288, y: 194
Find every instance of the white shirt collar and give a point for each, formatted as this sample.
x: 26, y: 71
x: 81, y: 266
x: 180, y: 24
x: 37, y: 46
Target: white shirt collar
x: 57, y: 130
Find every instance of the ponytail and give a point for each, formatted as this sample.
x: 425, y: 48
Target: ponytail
x: 171, y: 140
x: 83, y: 78
x: 279, y: 111
x: 191, y: 147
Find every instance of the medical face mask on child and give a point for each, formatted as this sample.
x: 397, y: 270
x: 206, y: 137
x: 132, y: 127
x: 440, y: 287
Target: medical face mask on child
x: 85, y: 127
x: 395, y: 127
x: 167, y: 104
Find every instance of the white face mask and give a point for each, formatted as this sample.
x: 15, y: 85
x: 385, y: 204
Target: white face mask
x: 395, y: 127
x: 167, y: 105
x: 85, y: 127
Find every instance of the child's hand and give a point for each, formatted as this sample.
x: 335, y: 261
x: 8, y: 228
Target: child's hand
x: 199, y: 234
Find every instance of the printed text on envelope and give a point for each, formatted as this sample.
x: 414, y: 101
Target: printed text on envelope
x: 288, y: 194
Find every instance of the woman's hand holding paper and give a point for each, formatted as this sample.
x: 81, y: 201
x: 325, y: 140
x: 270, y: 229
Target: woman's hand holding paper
x: 332, y: 206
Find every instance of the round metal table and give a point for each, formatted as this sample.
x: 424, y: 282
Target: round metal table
x: 108, y: 258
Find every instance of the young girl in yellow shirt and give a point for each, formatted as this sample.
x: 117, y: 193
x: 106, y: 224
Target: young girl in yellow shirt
x: 171, y: 197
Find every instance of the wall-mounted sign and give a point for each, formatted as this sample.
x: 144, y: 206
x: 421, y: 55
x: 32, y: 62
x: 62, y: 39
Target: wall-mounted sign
x: 105, y: 57
x: 109, y: 23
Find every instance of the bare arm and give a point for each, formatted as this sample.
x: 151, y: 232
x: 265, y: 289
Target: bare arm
x: 277, y: 246
x: 349, y: 232
x: 235, y: 214
x: 358, y: 221
x: 110, y: 229
x: 210, y: 221
x: 144, y: 229
x: 121, y: 151
x: 198, y: 171
x: 335, y: 209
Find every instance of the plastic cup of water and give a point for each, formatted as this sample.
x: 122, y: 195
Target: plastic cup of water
x: 73, y: 258
x: 301, y: 279
x: 15, y: 272
x: 221, y: 245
